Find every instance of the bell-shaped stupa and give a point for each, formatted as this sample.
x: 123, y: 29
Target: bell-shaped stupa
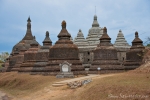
x: 94, y: 34
x: 30, y: 58
x: 105, y: 56
x: 80, y: 41
x: 122, y: 46
x: 121, y: 41
x: 63, y: 51
x: 135, y: 55
x: 42, y: 56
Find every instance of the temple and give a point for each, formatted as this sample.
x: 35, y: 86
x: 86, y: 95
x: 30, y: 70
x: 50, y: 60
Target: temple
x: 69, y: 57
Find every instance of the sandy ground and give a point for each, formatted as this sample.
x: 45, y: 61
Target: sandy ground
x: 3, y: 96
x: 55, y: 93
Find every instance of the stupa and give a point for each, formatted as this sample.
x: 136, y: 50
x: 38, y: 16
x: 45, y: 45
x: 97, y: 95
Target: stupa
x: 82, y: 44
x: 27, y: 38
x: 19, y: 58
x: 80, y: 41
x: 5, y: 65
x: 122, y: 46
x: 26, y: 41
x: 13, y: 60
x: 30, y: 58
x: 42, y: 56
x: 135, y: 55
x: 63, y: 51
x: 105, y: 56
x: 94, y: 34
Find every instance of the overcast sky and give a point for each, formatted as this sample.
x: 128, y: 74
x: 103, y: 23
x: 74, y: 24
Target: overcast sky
x: 47, y: 15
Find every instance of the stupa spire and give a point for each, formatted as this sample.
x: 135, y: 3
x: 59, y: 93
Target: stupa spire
x: 120, y: 41
x: 95, y: 22
x: 80, y: 34
x: 80, y: 41
x: 47, y: 40
x: 105, y: 35
x: 137, y: 41
x: 64, y: 33
x: 29, y: 20
x: 28, y: 35
x: 34, y: 43
x: 105, y: 40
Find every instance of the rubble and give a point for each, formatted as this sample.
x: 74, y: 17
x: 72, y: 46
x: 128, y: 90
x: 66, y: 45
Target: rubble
x: 79, y: 83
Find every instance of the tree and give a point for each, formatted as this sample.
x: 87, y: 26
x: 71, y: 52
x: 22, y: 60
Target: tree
x: 3, y: 56
x: 147, y: 42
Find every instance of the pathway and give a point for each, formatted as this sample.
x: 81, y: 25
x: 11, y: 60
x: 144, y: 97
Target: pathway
x: 91, y: 76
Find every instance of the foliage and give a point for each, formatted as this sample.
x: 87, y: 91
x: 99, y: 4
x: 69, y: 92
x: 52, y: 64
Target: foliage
x: 147, y: 42
x: 148, y: 45
x: 3, y: 56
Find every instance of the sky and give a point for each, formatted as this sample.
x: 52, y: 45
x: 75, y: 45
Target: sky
x: 46, y: 15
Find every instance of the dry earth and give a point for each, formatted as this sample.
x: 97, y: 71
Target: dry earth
x: 132, y: 85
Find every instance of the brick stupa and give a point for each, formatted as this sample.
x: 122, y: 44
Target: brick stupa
x: 63, y: 50
x: 42, y: 56
x: 30, y: 58
x: 135, y: 55
x: 105, y: 56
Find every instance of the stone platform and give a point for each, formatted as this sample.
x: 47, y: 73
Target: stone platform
x: 65, y: 75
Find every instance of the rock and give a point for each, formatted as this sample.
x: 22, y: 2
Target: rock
x: 76, y: 84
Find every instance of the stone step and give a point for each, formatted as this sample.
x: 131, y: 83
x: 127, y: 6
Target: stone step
x: 57, y: 85
x: 60, y: 83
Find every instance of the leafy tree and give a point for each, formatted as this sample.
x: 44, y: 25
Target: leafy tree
x: 3, y: 56
x: 147, y: 42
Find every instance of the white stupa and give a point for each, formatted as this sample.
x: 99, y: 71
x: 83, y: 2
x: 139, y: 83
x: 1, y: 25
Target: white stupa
x: 94, y: 34
x: 120, y: 41
x: 80, y: 41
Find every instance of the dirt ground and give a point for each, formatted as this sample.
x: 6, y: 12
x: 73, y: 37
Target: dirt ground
x: 132, y: 85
